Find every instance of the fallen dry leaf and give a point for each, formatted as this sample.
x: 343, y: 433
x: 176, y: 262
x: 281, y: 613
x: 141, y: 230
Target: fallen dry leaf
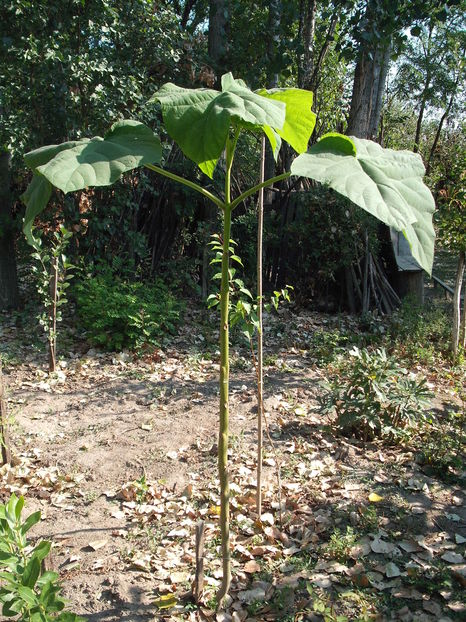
x: 251, y: 567
x: 97, y: 544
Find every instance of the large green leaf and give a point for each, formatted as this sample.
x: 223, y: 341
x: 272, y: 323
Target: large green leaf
x: 199, y: 119
x: 384, y: 182
x: 101, y: 161
x: 38, y: 193
x: 299, y: 121
x: 36, y: 197
x: 88, y: 162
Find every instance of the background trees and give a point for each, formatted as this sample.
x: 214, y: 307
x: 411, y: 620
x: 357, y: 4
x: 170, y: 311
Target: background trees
x: 67, y: 66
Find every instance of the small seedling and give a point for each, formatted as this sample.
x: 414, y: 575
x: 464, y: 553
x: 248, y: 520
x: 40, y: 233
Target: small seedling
x: 52, y: 274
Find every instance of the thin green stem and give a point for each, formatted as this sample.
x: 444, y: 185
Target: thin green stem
x: 254, y: 189
x: 224, y: 379
x: 191, y: 184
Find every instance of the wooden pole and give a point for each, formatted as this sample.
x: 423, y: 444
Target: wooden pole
x: 53, y: 315
x: 199, y: 579
x: 455, y: 336
x: 4, y: 437
x: 260, y: 373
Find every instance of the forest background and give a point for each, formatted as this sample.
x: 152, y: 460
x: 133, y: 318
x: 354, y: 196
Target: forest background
x: 390, y: 71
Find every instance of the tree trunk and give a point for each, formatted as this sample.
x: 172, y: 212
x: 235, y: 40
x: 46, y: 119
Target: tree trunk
x: 217, y: 35
x: 439, y: 130
x: 455, y: 335
x: 380, y: 79
x: 370, y: 77
x: 368, y: 87
x: 425, y: 91
x: 9, y: 296
x: 420, y: 118
x: 307, y: 32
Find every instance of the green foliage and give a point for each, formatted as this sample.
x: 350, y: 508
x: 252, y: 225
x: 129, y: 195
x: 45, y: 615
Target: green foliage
x: 69, y: 69
x: 27, y: 593
x: 88, y: 162
x: 385, y: 183
x: 117, y: 314
x: 199, y: 120
x: 322, y: 606
x: 326, y: 346
x: 442, y: 443
x: 242, y: 309
x: 242, y: 306
x: 419, y: 334
x: 340, y: 544
x: 373, y: 397
x: 451, y: 197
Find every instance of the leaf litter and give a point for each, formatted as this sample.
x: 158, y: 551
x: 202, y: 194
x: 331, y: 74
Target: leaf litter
x: 352, y: 519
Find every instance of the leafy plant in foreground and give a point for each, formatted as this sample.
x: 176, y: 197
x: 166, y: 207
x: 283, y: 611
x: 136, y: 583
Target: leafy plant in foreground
x: 206, y: 124
x: 26, y: 592
x: 374, y: 397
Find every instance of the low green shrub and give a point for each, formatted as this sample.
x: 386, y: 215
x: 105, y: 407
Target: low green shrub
x: 373, y: 397
x: 118, y: 314
x: 442, y: 444
x: 420, y: 333
x: 326, y: 345
x: 25, y: 589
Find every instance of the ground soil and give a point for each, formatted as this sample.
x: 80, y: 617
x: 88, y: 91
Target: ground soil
x: 82, y: 436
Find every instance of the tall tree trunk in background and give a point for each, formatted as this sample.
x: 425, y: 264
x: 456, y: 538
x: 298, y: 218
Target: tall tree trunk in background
x: 381, y: 66
x: 218, y: 12
x: 425, y: 92
x: 9, y: 297
x: 272, y: 82
x: 370, y: 77
x: 455, y: 336
x: 420, y: 116
x: 440, y: 126
x: 307, y: 24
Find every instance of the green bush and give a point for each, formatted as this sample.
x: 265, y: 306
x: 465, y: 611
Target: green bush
x: 25, y: 589
x: 442, y: 444
x: 118, y: 314
x: 373, y: 397
x: 420, y: 333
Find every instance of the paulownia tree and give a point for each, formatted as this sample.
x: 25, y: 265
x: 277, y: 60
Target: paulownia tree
x: 206, y: 124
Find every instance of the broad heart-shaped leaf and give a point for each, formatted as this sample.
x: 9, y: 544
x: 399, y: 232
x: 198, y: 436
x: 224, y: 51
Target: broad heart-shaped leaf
x: 299, y: 120
x: 199, y: 119
x: 88, y: 162
x: 38, y: 193
x: 36, y: 197
x: 101, y: 161
x: 384, y: 182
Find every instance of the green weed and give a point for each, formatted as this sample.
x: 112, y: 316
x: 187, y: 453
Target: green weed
x: 374, y: 397
x: 26, y: 590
